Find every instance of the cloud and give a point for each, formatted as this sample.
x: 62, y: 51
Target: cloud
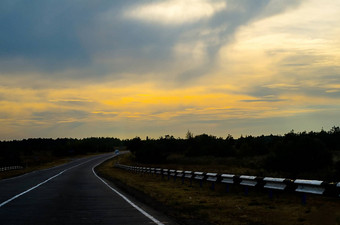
x: 76, y: 39
x: 40, y: 29
x: 292, y: 52
x: 175, y: 12
x: 263, y: 100
x: 47, y: 36
x: 128, y: 67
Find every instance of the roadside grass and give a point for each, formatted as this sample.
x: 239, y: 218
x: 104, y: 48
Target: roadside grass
x: 195, y: 205
x: 52, y: 163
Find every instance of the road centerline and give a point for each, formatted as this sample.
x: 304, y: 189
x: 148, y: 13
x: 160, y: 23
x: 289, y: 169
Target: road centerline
x: 45, y: 181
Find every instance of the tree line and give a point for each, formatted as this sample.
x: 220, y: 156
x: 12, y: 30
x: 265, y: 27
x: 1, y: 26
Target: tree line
x: 40, y: 150
x: 292, y: 153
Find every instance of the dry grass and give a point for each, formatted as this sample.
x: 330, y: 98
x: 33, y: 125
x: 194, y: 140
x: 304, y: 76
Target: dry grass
x: 192, y: 203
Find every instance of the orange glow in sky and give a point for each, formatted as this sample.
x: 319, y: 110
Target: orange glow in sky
x: 136, y: 68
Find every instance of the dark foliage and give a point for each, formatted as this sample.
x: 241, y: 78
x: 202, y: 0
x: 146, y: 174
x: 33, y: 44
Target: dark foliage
x: 155, y: 151
x: 299, y: 153
x: 292, y: 154
x: 33, y: 151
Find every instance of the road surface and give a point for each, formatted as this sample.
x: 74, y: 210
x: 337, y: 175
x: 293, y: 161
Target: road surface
x: 70, y: 194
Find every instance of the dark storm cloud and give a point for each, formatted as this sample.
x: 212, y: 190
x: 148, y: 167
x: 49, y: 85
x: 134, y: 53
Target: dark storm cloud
x: 52, y: 36
x: 46, y: 33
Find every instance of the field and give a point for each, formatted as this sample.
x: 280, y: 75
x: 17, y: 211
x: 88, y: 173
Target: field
x: 195, y: 205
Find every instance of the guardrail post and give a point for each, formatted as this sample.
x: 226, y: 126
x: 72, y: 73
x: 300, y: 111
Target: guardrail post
x: 153, y: 171
x: 179, y: 173
x: 275, y: 184
x: 212, y: 177
x: 248, y: 181
x: 165, y: 173
x: 188, y: 174
x: 158, y: 171
x: 270, y: 193
x: 246, y: 190
x: 309, y: 186
x: 199, y: 176
x: 227, y: 179
x: 173, y: 173
x: 304, y: 199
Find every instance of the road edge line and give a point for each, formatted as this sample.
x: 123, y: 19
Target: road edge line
x: 124, y: 197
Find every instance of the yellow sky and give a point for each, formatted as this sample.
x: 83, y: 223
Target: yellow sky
x: 280, y: 67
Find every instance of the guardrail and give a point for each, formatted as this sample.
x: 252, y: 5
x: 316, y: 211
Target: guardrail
x: 306, y: 187
x: 172, y: 173
x: 8, y: 168
x: 200, y: 177
x: 248, y: 181
x: 212, y: 177
x: 227, y: 179
x: 311, y: 187
x: 180, y: 174
x: 273, y: 183
x: 188, y: 175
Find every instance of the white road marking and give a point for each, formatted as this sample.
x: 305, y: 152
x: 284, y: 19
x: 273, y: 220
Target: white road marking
x: 26, y: 174
x: 32, y: 188
x: 126, y: 199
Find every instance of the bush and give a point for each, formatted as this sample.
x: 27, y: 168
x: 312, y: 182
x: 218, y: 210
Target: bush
x: 296, y: 154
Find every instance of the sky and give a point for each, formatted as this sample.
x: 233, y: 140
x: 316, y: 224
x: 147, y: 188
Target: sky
x: 103, y: 68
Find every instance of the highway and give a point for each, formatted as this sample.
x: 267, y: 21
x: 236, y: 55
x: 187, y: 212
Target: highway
x: 70, y: 194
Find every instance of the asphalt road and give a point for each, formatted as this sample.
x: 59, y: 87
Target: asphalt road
x: 70, y: 194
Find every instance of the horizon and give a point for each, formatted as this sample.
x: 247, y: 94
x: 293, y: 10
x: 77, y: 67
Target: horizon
x: 130, y: 69
x: 143, y: 138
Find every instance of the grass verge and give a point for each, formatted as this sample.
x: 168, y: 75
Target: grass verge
x: 195, y: 205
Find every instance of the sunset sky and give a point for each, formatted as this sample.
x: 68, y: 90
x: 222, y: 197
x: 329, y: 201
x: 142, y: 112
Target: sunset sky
x: 84, y: 68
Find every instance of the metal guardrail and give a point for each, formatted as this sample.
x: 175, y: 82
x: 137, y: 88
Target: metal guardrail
x: 228, y: 179
x: 172, y: 173
x: 158, y: 171
x: 200, y: 177
x: 272, y: 183
x: 305, y: 187
x: 212, y: 177
x: 248, y: 181
x: 309, y: 187
x: 9, y: 168
x: 188, y: 175
x: 165, y: 172
x: 180, y: 174
x: 275, y: 183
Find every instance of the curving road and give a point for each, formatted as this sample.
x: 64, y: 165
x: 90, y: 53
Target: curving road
x: 70, y: 194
